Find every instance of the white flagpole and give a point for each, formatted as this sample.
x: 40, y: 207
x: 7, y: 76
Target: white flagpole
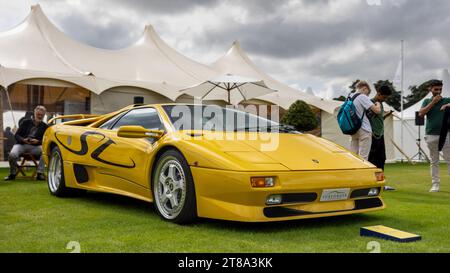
x: 402, y: 93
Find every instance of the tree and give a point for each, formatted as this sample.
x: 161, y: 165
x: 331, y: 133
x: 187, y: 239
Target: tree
x: 352, y: 87
x: 341, y: 98
x: 417, y: 94
x: 394, y: 100
x: 301, y: 117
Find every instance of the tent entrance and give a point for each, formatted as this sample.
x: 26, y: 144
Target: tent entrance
x: 57, y: 100
x: 21, y: 99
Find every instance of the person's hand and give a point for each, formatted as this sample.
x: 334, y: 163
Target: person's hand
x: 34, y: 141
x: 445, y: 107
x: 26, y: 141
x: 436, y: 99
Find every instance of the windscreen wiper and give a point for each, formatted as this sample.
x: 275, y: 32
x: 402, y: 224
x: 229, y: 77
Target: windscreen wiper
x: 279, y: 128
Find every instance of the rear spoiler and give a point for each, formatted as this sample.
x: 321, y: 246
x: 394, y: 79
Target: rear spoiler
x: 78, y: 117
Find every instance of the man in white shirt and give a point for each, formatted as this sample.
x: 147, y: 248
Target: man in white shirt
x: 362, y: 140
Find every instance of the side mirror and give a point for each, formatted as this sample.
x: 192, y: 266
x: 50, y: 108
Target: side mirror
x: 139, y: 132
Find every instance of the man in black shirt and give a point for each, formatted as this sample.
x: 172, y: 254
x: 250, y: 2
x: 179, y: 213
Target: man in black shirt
x: 29, y: 140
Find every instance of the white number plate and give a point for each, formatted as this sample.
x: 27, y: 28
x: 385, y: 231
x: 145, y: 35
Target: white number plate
x: 334, y: 195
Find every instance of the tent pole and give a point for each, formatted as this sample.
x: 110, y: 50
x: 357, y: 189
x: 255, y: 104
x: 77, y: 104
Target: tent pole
x: 402, y: 152
x: 2, y: 136
x: 10, y: 105
x: 402, y: 94
x: 207, y: 93
x: 240, y: 91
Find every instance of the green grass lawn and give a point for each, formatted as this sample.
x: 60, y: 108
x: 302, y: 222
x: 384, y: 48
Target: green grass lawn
x: 33, y: 221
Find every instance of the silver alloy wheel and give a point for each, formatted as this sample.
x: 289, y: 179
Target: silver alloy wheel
x: 55, y: 172
x: 170, y: 191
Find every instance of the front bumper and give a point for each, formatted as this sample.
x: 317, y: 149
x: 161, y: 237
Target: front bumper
x: 228, y: 195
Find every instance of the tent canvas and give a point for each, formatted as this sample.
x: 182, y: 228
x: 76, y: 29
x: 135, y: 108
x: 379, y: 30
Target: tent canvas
x: 36, y: 49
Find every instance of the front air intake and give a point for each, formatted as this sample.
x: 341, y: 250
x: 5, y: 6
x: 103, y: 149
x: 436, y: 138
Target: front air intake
x: 81, y: 174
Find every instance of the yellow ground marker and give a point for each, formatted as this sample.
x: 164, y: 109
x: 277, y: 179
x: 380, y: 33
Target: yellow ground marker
x: 389, y: 234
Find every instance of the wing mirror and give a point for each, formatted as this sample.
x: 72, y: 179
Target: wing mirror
x: 138, y: 132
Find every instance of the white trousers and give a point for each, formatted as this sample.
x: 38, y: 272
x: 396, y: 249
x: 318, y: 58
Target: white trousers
x: 361, y: 143
x: 433, y: 146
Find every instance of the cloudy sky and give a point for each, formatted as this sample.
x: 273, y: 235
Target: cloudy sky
x: 325, y: 44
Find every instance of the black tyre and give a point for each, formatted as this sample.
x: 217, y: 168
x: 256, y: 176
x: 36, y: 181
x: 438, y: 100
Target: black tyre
x: 55, y: 176
x: 173, y: 188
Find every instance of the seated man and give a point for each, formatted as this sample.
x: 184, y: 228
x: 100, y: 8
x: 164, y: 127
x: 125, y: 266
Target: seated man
x: 29, y: 140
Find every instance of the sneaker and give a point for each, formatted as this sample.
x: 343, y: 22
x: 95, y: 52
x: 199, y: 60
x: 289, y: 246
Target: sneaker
x: 40, y: 177
x: 10, y: 177
x: 435, y: 188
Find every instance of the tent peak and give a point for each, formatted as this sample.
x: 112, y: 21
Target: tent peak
x: 149, y: 35
x: 149, y: 31
x: 236, y: 49
x: 236, y: 46
x: 35, y: 7
x: 149, y: 27
x: 36, y: 10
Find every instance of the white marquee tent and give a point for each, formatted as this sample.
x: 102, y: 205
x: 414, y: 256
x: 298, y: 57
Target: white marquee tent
x: 36, y: 49
x: 36, y: 52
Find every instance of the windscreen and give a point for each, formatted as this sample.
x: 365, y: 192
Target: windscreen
x: 216, y: 118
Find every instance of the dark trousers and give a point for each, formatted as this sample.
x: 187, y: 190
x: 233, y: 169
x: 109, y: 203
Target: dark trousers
x: 377, y: 154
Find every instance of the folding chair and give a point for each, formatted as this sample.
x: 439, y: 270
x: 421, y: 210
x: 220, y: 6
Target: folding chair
x: 27, y: 164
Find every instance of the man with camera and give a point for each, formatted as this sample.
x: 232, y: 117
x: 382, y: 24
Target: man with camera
x: 433, y: 110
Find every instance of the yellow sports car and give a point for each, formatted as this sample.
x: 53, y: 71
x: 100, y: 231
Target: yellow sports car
x: 208, y: 161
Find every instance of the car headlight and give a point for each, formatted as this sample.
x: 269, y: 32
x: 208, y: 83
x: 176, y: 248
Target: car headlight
x: 373, y: 192
x: 274, y: 199
x: 380, y: 176
x: 262, y: 182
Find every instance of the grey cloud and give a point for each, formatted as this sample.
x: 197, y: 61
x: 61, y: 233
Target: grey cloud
x: 280, y: 39
x: 415, y: 22
x: 113, y: 35
x: 162, y: 6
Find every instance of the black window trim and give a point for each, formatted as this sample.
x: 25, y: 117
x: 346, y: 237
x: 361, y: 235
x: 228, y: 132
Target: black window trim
x: 117, y: 117
x: 128, y: 111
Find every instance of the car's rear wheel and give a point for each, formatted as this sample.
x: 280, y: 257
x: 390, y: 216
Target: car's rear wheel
x: 173, y: 188
x: 55, y: 175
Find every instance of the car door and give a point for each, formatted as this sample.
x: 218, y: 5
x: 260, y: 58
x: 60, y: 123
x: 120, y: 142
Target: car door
x: 128, y: 158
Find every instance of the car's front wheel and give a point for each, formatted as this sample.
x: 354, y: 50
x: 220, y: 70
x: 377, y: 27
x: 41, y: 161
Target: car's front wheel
x: 55, y: 176
x: 173, y: 188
